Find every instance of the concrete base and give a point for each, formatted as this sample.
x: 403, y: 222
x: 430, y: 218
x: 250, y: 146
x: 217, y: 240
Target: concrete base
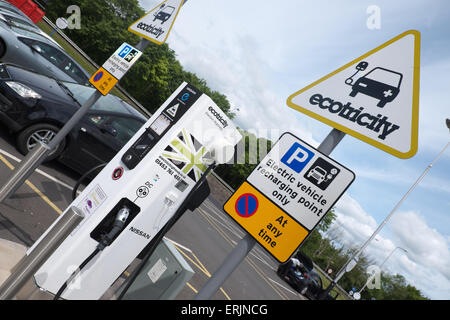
x: 10, y: 254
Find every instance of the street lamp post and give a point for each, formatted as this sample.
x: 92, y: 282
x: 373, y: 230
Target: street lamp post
x: 349, y: 265
x: 357, y: 295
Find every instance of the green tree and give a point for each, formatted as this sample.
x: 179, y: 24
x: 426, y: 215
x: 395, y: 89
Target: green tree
x: 104, y: 27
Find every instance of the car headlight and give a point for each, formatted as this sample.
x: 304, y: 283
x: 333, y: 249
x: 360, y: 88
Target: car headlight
x: 23, y: 91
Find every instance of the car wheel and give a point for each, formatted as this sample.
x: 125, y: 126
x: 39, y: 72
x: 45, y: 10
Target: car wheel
x: 31, y: 136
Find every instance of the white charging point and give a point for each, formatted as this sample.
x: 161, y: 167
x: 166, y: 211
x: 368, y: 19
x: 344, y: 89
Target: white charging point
x: 150, y: 176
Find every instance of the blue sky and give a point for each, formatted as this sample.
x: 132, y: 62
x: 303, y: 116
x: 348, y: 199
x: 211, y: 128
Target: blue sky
x: 258, y: 53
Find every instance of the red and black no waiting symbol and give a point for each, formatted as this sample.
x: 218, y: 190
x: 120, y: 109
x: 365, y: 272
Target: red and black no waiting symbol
x: 246, y: 205
x: 117, y: 173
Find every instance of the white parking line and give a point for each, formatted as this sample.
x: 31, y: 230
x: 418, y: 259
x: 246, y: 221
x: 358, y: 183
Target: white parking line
x: 38, y: 170
x: 257, y: 252
x: 179, y: 245
x: 279, y: 284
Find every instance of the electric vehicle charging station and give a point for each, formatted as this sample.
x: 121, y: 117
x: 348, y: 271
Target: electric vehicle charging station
x: 137, y: 193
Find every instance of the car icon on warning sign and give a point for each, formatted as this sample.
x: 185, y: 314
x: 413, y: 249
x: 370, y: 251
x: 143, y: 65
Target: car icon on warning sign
x: 379, y: 83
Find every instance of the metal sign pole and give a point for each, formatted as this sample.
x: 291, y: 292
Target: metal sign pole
x: 35, y: 157
x: 350, y: 264
x: 29, y: 264
x: 246, y: 244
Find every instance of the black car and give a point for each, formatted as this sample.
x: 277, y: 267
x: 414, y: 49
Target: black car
x: 301, y: 276
x: 34, y: 107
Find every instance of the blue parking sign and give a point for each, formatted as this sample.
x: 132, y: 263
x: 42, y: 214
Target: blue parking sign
x: 297, y: 157
x: 124, y: 51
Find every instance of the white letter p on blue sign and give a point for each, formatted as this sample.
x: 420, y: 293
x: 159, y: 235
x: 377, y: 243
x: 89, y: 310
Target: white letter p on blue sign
x: 297, y: 157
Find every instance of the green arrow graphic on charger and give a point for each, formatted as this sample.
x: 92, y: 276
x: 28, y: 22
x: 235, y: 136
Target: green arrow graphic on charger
x: 186, y: 153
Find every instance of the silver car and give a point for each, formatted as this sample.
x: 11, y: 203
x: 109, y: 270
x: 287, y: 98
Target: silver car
x: 26, y: 46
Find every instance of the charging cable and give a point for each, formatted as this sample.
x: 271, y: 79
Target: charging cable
x: 106, y: 240
x: 157, y: 239
x: 359, y: 67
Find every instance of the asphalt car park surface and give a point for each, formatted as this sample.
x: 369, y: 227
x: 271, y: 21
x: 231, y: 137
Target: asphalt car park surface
x: 204, y: 237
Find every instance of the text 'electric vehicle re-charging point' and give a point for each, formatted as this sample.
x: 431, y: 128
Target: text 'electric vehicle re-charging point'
x: 137, y: 193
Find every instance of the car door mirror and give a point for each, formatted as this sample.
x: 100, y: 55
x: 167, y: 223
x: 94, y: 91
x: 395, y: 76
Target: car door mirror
x: 109, y: 129
x: 36, y: 48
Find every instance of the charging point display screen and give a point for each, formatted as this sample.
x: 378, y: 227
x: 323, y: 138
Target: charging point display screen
x: 160, y: 124
x: 169, y: 116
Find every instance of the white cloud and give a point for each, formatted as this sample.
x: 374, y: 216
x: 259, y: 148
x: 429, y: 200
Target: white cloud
x: 424, y: 244
x: 405, y: 175
x: 426, y: 264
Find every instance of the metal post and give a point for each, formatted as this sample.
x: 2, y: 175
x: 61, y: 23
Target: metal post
x: 31, y: 263
x: 355, y: 256
x: 35, y: 157
x: 381, y: 265
x: 246, y: 244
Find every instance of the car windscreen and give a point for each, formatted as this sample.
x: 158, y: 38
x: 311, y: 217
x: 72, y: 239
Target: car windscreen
x: 320, y: 170
x: 168, y: 10
x: 28, y: 33
x: 106, y: 103
x: 384, y: 76
x: 8, y: 9
x: 20, y: 23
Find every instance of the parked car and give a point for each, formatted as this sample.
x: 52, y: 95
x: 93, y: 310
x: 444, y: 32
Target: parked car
x: 34, y: 107
x: 6, y: 6
x: 299, y: 273
x: 22, y: 45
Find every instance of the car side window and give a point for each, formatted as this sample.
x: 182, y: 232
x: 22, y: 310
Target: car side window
x: 97, y: 119
x: 51, y: 54
x: 74, y: 72
x: 126, y: 127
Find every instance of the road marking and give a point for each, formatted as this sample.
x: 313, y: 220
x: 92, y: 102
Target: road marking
x: 190, y: 286
x: 263, y: 276
x: 215, y: 226
x: 233, y: 244
x: 279, y: 284
x: 48, y: 176
x: 33, y: 187
x: 236, y: 231
x: 179, y: 245
x: 202, y: 268
x: 252, y: 253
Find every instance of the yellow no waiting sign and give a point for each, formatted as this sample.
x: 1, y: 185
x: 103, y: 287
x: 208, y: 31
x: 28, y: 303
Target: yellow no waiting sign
x: 275, y: 230
x: 103, y: 81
